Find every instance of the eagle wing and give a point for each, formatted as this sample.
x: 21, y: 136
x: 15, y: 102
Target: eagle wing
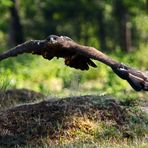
x: 79, y: 62
x: 48, y: 49
x: 137, y: 79
x: 79, y: 57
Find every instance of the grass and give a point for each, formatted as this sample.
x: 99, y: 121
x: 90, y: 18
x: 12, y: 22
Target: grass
x: 75, y: 121
x: 108, y: 144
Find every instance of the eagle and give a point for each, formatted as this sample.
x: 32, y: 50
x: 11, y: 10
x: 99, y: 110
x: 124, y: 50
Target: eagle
x: 79, y: 57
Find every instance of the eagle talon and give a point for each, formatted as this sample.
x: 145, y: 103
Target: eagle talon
x: 121, y: 71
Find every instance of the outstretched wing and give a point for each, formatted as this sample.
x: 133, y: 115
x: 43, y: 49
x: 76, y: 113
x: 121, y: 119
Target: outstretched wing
x: 137, y: 79
x: 31, y: 46
x: 79, y: 57
x: 49, y: 49
x: 38, y: 47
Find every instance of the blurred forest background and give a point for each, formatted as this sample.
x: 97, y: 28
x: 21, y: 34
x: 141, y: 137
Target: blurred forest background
x: 117, y: 27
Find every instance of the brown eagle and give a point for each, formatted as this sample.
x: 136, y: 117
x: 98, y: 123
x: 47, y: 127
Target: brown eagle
x: 79, y: 57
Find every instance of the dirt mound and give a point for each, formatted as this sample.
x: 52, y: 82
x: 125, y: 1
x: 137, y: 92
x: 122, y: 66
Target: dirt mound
x: 69, y: 119
x: 12, y: 97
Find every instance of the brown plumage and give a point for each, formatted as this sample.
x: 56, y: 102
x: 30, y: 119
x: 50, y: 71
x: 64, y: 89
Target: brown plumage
x: 79, y: 57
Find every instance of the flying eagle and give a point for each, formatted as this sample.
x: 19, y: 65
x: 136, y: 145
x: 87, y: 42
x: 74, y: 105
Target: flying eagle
x: 79, y: 57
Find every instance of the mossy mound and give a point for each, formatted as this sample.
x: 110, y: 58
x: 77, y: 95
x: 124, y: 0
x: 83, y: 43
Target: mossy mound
x: 12, y: 97
x: 71, y: 119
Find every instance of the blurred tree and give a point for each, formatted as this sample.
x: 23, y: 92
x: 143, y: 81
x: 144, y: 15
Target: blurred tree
x: 101, y: 25
x: 89, y: 22
x: 15, y: 32
x: 147, y: 6
x: 124, y: 28
x: 4, y: 5
x: 124, y: 13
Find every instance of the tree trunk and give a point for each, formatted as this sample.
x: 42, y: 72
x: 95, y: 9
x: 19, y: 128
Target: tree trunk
x: 125, y: 35
x: 147, y: 6
x: 124, y: 29
x: 15, y: 32
x: 101, y: 30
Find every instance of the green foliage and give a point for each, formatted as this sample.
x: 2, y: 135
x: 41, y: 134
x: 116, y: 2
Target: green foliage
x: 78, y: 19
x: 5, y: 3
